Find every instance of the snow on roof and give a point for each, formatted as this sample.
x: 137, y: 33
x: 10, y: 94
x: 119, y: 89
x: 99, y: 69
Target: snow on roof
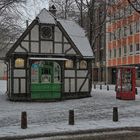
x: 77, y: 34
x: 74, y: 31
x: 46, y: 17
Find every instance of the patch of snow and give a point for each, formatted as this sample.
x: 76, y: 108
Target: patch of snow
x: 90, y: 113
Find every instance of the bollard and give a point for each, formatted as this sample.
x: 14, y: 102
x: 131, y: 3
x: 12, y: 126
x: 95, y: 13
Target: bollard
x: 136, y: 91
x: 94, y: 86
x: 115, y: 88
x: 23, y: 120
x: 71, y: 117
x: 100, y: 86
x: 107, y: 87
x: 115, y: 114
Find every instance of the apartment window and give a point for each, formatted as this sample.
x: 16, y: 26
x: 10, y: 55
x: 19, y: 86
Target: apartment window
x: 137, y: 26
x: 130, y: 9
x: 125, y: 11
x: 131, y: 30
x: 138, y: 73
x: 114, y: 52
x: 109, y: 53
x: 114, y: 34
x: 114, y: 15
x: 137, y: 47
x: 119, y: 36
x: 120, y: 52
x: 131, y: 48
x: 109, y: 36
x: 125, y: 29
x: 125, y: 50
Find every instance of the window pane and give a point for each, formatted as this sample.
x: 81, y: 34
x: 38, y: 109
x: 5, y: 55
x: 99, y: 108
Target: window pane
x: 19, y: 63
x: 83, y: 64
x: 69, y: 64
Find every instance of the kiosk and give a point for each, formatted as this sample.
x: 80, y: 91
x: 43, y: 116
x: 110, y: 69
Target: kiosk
x: 51, y: 60
x: 126, y: 82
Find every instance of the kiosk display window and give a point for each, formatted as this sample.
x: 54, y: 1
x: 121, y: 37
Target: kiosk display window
x: 126, y: 82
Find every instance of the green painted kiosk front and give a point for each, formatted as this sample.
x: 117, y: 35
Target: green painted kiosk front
x: 45, y: 80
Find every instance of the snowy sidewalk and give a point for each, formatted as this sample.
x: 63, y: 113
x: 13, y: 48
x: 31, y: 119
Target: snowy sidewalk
x: 47, y: 118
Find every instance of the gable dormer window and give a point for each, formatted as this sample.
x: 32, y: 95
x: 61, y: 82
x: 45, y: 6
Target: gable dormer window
x: 46, y: 32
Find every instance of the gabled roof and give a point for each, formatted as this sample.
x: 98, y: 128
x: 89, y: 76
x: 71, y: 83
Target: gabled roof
x: 46, y: 17
x: 74, y: 32
x: 77, y: 35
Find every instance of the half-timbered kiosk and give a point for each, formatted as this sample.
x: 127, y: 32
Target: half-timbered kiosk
x: 50, y: 61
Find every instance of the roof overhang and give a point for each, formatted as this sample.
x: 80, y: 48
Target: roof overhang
x: 50, y: 59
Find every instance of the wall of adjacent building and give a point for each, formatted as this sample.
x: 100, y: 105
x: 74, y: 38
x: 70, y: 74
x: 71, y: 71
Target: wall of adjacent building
x: 123, y: 37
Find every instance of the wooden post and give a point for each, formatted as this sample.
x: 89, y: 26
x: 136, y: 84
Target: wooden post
x: 136, y: 91
x: 115, y: 114
x: 71, y: 117
x: 23, y: 120
x: 100, y: 86
x: 115, y: 88
x: 107, y: 87
x: 94, y: 86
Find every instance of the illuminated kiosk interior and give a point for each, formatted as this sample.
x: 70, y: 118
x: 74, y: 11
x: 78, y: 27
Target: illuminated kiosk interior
x: 126, y: 83
x: 51, y: 60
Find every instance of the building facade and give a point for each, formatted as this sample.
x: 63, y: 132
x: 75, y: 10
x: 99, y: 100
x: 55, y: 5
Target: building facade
x: 51, y: 60
x: 122, y: 39
x: 99, y: 48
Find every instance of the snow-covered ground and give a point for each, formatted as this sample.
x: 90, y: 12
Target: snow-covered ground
x: 90, y: 113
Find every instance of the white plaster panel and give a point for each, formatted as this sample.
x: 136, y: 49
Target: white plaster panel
x: 82, y: 73
x: 19, y: 73
x: 58, y: 35
x: 79, y: 83
x: 72, y: 85
x: 85, y: 86
x: 19, y: 49
x: 69, y: 73
x: 34, y: 47
x: 72, y: 51
x: 27, y: 37
x: 58, y: 48
x: 66, y: 47
x: 46, y: 46
x: 65, y: 40
x: 16, y: 86
x: 35, y: 33
x: 66, y: 85
x: 23, y: 86
x: 25, y: 45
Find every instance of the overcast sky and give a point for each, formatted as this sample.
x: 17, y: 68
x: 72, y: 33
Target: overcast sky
x: 32, y: 9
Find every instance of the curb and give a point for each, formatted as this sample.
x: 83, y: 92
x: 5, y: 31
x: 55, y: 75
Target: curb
x: 135, y: 130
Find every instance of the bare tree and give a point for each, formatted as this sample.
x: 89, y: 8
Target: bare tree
x: 9, y: 16
x: 64, y: 7
x: 135, y: 4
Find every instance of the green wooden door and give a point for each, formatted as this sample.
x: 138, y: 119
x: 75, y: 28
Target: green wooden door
x: 46, y: 80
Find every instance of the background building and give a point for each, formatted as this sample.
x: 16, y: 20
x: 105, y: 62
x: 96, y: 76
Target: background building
x: 99, y: 47
x: 122, y: 39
